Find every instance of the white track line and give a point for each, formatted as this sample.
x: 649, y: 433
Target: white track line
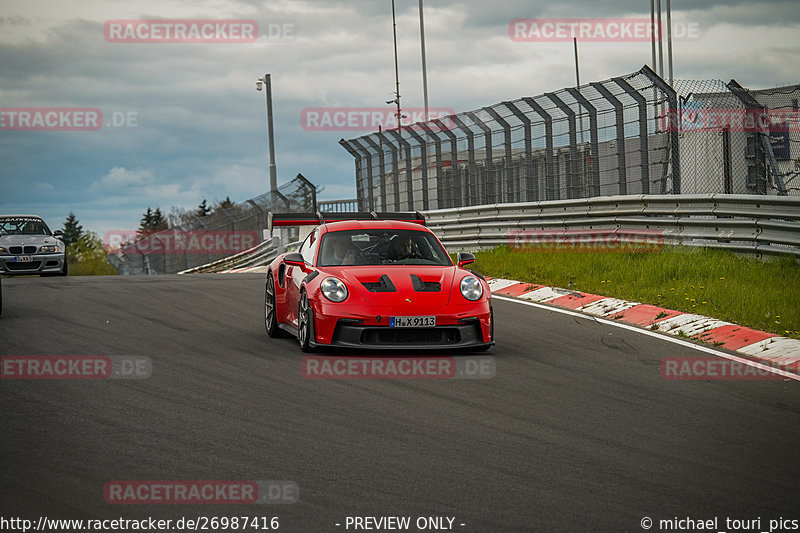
x: 661, y: 336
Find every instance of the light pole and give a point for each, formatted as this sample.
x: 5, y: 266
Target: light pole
x: 424, y: 62
x: 273, y: 173
x: 396, y: 100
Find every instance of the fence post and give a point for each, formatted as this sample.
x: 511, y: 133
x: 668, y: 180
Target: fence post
x: 551, y: 189
x: 573, y: 191
x: 531, y: 183
x: 672, y: 121
x: 409, y: 179
x: 441, y: 184
x: 382, y: 166
x: 641, y: 101
x: 423, y: 154
x: 750, y: 102
x: 348, y: 145
x: 510, y: 193
x: 395, y: 167
x: 370, y: 187
x: 470, y: 181
x: 620, y: 123
x: 455, y: 171
x: 487, y: 189
x: 594, y: 143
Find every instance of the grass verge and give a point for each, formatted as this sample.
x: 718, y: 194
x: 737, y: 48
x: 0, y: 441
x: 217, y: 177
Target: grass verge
x: 761, y: 294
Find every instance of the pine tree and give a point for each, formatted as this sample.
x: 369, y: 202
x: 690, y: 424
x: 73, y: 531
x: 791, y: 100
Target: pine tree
x: 203, y: 209
x: 159, y: 221
x: 72, y: 230
x: 147, y: 221
x: 227, y: 203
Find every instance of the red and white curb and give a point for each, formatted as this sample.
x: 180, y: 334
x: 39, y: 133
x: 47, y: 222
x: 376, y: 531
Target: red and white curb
x: 768, y: 347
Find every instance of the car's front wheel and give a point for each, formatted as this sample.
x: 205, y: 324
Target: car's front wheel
x: 270, y: 316
x: 305, y: 323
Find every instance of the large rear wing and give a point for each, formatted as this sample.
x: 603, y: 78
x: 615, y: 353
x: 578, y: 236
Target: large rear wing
x: 315, y: 219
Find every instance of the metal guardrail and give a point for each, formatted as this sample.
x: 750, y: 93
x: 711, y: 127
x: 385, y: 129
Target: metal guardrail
x: 743, y: 223
x: 256, y: 256
x: 753, y: 224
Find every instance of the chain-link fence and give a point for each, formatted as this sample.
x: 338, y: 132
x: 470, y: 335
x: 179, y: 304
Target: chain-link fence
x: 620, y: 136
x: 739, y: 141
x: 222, y: 233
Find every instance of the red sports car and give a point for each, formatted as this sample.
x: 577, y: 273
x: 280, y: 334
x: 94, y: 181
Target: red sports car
x: 381, y: 283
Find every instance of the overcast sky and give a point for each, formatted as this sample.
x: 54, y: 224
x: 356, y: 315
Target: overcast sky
x: 190, y: 124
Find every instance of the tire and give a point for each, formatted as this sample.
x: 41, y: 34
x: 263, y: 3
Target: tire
x: 270, y: 317
x: 305, y: 324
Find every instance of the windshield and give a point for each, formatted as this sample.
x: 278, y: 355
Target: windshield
x: 381, y: 247
x: 23, y: 226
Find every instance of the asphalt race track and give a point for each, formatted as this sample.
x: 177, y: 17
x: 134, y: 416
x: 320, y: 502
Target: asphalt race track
x: 577, y: 431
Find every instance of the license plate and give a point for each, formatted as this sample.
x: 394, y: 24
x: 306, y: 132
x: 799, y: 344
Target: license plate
x: 412, y: 321
x: 23, y: 259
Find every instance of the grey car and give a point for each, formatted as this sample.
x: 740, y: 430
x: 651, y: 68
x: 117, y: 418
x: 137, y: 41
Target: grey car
x: 27, y: 246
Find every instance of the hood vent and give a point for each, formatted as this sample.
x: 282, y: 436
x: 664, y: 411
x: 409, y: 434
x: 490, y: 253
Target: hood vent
x: 384, y: 284
x: 425, y: 286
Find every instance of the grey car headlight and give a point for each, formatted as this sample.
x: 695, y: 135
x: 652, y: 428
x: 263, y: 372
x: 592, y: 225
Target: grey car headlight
x: 333, y: 289
x: 471, y: 288
x: 49, y: 249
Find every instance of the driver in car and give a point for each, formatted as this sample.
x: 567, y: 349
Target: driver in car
x: 401, y: 248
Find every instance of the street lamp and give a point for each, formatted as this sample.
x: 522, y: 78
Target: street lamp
x: 273, y: 173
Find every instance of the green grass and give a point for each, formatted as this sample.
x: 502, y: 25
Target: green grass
x: 761, y: 294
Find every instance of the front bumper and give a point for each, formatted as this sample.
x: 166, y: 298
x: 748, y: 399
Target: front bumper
x: 41, y: 264
x: 457, y: 326
x: 466, y: 334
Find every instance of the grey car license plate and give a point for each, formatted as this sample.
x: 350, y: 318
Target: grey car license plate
x: 412, y: 321
x: 23, y: 259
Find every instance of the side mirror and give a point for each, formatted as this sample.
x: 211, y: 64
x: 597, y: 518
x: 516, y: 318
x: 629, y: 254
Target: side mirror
x: 465, y: 258
x: 294, y: 259
x: 58, y: 233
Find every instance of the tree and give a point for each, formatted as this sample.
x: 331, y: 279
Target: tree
x: 88, y: 257
x: 159, y: 221
x: 72, y: 230
x: 147, y: 221
x: 153, y: 221
x: 227, y: 203
x: 179, y: 216
x: 203, y: 209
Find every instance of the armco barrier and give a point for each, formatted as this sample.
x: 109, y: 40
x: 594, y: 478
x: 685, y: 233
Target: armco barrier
x: 758, y: 225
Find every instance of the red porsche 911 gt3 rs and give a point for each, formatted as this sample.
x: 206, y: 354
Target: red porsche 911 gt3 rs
x: 384, y: 282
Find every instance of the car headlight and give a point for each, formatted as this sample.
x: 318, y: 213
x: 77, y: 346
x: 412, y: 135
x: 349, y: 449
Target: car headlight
x: 333, y: 289
x: 49, y: 249
x: 471, y: 288
x: 2, y: 250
